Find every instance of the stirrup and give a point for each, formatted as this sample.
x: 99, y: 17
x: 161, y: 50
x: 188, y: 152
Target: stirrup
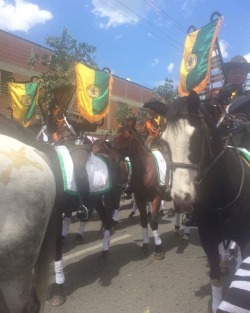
x: 83, y: 213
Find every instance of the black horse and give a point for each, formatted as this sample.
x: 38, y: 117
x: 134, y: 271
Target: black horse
x: 211, y: 176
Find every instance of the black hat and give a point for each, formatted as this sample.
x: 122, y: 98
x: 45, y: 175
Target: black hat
x: 237, y: 61
x: 156, y: 106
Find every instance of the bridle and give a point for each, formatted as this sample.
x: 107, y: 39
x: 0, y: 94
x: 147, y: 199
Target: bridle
x: 201, y: 175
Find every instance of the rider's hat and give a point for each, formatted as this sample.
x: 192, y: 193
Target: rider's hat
x: 237, y: 61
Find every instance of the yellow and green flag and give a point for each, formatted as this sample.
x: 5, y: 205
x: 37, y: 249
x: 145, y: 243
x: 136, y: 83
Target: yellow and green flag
x: 23, y: 101
x: 196, y: 60
x: 93, y: 92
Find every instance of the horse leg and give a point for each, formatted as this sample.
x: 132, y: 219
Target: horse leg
x: 134, y: 207
x: 66, y: 225
x: 155, y: 205
x: 107, y: 223
x: 57, y: 294
x: 19, y: 295
x: 79, y: 235
x: 225, y: 256
x: 141, y: 205
x: 186, y: 233
x: 177, y: 225
x: 210, y: 247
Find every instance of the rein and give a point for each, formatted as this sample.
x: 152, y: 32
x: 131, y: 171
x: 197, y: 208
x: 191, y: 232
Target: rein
x: 173, y: 165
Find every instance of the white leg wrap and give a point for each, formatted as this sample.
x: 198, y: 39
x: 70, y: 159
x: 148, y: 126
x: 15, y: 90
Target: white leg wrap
x: 238, y: 258
x: 66, y: 224
x: 157, y: 237
x: 145, y: 235
x: 232, y: 245
x: 162, y: 207
x: 60, y: 278
x: 177, y: 219
x: 81, y: 228
x: 224, y: 254
x: 187, y: 230
x: 149, y: 207
x: 216, y: 297
x: 106, y: 240
x: 116, y: 215
x: 134, y: 204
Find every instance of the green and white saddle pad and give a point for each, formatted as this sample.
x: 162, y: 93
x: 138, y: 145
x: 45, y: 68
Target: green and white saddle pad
x: 161, y: 166
x: 245, y: 153
x: 97, y: 169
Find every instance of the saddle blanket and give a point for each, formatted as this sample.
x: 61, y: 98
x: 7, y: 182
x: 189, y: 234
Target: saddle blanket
x: 161, y: 166
x: 97, y: 169
x: 245, y: 153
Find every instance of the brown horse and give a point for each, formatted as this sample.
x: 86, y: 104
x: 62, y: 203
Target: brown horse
x: 144, y: 180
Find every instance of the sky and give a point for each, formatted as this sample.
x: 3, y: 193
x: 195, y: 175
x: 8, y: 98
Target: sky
x: 139, y: 40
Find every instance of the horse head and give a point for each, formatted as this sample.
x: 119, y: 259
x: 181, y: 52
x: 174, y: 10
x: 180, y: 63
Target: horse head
x: 188, y: 134
x: 128, y: 141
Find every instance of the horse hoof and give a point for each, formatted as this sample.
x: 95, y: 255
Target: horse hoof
x: 176, y: 233
x: 57, y: 300
x: 131, y: 215
x: 104, y: 255
x: 78, y: 239
x: 185, y: 237
x: 159, y: 255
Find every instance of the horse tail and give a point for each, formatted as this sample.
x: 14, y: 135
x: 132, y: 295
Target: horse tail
x: 44, y: 261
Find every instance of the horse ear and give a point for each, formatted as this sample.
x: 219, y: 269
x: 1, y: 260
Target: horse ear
x: 193, y: 100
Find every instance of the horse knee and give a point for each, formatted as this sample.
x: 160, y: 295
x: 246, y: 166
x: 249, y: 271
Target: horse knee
x: 154, y: 224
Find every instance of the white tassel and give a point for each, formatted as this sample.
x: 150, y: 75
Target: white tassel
x: 60, y: 278
x: 157, y: 237
x: 66, y: 225
x: 145, y: 235
x: 106, y: 240
x: 216, y: 297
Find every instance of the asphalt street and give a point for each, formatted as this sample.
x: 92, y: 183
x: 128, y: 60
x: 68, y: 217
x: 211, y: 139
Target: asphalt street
x: 130, y: 281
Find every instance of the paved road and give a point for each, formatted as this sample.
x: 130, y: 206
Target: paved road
x: 131, y: 282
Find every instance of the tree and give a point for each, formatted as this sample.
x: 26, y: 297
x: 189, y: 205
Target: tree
x: 122, y: 112
x: 60, y: 64
x: 166, y: 92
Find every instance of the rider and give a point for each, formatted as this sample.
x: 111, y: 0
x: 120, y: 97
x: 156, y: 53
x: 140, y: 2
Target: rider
x: 234, y: 91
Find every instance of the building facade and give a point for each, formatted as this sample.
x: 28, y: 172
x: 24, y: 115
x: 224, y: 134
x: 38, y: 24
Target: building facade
x: 14, y: 55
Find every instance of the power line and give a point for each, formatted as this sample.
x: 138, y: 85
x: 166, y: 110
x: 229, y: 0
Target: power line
x: 142, y: 18
x: 169, y: 17
x: 156, y: 35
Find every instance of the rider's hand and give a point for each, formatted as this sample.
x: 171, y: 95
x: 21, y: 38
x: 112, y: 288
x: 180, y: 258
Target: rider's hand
x: 237, y: 126
x: 226, y: 91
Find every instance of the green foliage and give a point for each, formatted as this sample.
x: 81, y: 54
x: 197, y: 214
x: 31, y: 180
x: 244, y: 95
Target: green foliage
x: 166, y: 92
x: 60, y: 64
x: 123, y: 111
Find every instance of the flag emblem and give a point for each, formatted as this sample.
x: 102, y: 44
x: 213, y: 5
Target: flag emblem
x: 191, y: 62
x: 26, y: 100
x: 93, y: 91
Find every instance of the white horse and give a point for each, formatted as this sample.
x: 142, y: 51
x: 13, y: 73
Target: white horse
x: 27, y: 189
